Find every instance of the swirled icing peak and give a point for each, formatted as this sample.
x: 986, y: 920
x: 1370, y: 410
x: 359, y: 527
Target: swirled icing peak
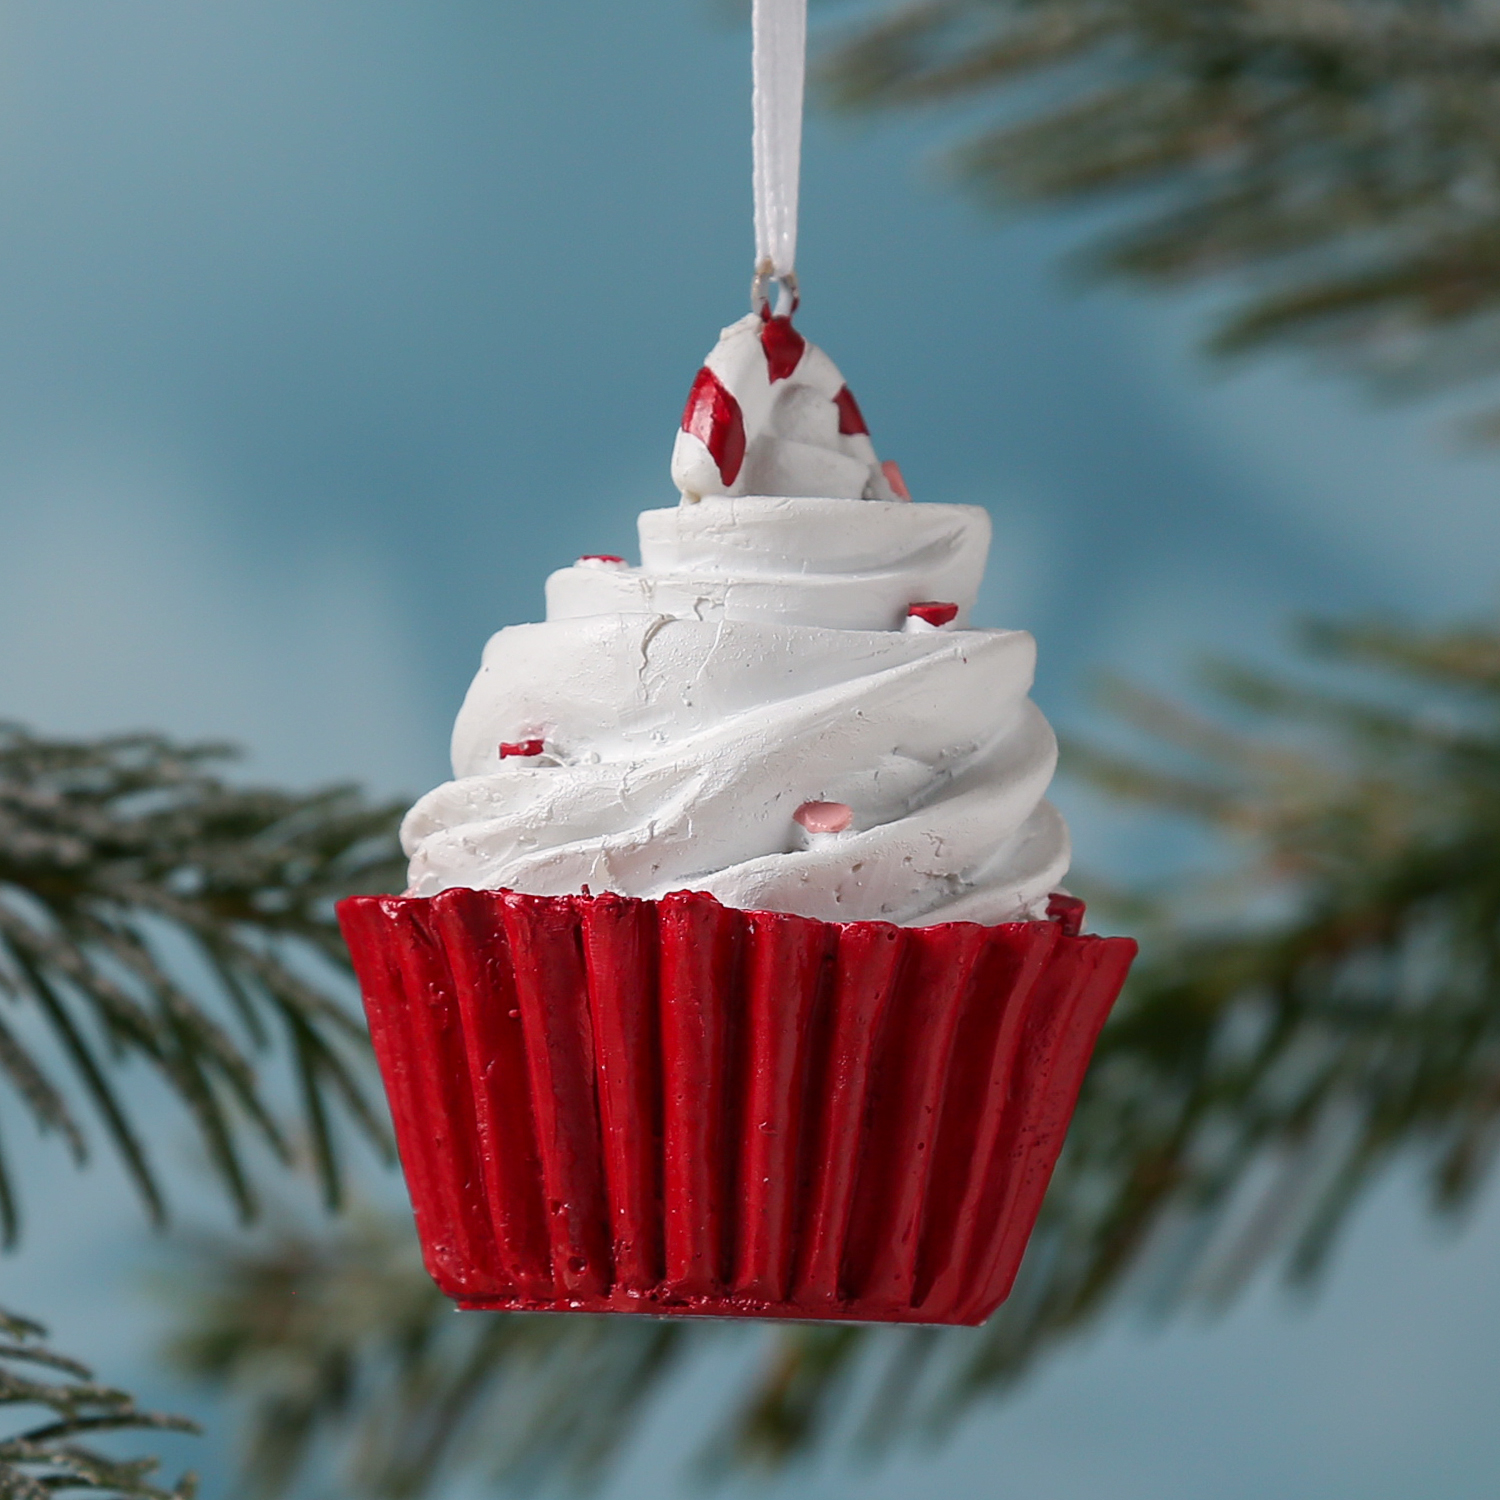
x: 784, y: 704
x: 770, y: 414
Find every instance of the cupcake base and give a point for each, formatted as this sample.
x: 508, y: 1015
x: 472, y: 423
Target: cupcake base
x: 678, y: 1108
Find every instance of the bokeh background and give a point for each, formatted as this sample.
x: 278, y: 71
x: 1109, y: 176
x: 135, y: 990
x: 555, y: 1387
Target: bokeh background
x: 327, y: 328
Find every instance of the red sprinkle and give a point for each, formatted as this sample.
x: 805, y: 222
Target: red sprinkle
x: 824, y: 817
x: 519, y: 747
x: 851, y: 418
x: 933, y: 611
x: 893, y: 477
x: 713, y: 416
x: 605, y: 557
x: 1067, y: 912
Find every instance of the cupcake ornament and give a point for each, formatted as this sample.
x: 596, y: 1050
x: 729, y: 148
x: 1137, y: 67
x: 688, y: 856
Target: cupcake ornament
x: 734, y: 976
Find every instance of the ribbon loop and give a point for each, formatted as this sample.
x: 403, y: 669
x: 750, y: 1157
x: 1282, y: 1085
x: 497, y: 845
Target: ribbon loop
x: 780, y: 67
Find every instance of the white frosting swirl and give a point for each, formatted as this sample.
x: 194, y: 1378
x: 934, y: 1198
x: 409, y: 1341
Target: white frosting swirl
x: 770, y: 414
x: 760, y: 658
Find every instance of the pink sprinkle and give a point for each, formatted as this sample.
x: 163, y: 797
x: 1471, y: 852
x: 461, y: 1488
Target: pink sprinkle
x: 604, y: 557
x: 519, y: 747
x: 934, y: 611
x: 824, y: 817
x: 892, y: 471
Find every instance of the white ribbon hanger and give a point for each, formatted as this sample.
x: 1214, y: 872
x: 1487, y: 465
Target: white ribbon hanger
x: 779, y: 62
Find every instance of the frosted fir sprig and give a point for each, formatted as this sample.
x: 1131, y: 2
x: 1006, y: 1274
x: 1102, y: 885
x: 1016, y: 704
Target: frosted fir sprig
x: 40, y: 1459
x: 152, y: 911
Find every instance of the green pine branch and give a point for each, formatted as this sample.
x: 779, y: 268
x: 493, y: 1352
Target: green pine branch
x: 1333, y: 163
x: 44, y: 1456
x: 153, y: 912
x: 344, y: 1337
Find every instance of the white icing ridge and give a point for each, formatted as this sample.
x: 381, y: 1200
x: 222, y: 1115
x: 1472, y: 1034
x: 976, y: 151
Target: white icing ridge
x: 793, y: 561
x: 755, y: 661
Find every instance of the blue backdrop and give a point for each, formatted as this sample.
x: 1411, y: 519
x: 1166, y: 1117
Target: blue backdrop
x: 329, y: 327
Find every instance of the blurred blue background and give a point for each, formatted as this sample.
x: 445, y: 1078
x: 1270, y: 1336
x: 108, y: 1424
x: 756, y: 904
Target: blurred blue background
x: 328, y: 328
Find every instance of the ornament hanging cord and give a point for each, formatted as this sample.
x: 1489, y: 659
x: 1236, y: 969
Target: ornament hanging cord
x: 779, y: 62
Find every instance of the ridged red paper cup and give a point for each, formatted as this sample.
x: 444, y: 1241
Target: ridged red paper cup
x: 676, y: 1107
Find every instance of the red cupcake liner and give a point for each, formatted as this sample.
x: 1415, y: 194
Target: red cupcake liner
x: 677, y: 1107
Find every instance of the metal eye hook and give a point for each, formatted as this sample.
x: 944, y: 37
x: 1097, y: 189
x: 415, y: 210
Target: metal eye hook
x: 787, y: 294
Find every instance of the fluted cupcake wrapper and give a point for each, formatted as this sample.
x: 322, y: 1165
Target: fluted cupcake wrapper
x: 677, y: 1107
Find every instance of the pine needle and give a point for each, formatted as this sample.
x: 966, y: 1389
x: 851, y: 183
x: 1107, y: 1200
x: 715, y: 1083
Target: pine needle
x: 118, y: 854
x: 45, y: 1459
x: 1334, y: 166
